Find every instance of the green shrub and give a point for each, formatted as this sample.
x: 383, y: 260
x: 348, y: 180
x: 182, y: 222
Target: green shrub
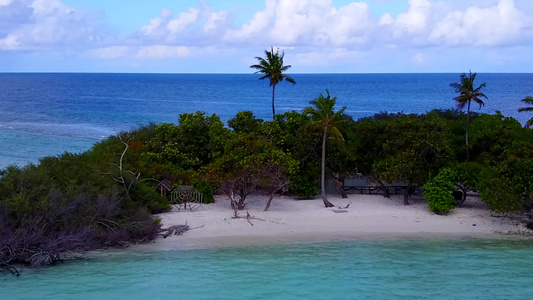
x: 207, y: 189
x: 438, y: 192
x: 303, y: 184
x: 146, y: 195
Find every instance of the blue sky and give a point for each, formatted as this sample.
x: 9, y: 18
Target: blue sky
x: 222, y: 36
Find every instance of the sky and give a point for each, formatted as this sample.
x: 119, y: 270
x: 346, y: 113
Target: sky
x: 223, y: 36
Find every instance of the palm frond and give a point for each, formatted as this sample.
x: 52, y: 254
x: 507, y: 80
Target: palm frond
x: 335, y: 133
x: 528, y: 100
x: 529, y: 123
x: 289, y: 79
x: 467, y: 92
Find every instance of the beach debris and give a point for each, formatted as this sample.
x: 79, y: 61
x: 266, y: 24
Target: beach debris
x: 338, y: 211
x: 340, y: 207
x: 175, y: 230
x: 248, y: 218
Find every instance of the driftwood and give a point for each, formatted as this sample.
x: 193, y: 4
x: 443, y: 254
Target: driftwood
x: 249, y: 217
x: 174, y: 230
x: 345, y: 206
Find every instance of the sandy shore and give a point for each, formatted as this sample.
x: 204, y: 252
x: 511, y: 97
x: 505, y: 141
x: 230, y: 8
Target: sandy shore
x: 289, y: 220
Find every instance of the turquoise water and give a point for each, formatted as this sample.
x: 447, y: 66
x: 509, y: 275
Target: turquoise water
x: 412, y: 269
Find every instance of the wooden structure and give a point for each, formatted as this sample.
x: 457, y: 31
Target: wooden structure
x: 365, y: 189
x: 164, y: 186
x: 186, y: 197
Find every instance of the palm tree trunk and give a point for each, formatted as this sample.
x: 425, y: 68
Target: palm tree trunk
x: 323, y: 175
x: 406, y: 194
x: 467, y: 130
x: 273, y: 109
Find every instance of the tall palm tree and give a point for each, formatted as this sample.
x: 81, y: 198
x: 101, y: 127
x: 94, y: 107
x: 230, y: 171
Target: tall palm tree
x: 322, y: 114
x: 273, y: 68
x: 467, y: 94
x: 529, y: 101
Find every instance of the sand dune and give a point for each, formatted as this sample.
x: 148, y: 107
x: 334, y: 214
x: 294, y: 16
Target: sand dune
x: 367, y: 217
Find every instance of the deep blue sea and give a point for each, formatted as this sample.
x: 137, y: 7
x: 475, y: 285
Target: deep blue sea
x: 399, y: 269
x: 47, y: 114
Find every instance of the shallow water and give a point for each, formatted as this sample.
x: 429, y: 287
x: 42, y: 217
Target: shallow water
x: 400, y: 269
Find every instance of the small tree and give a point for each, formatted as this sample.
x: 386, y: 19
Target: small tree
x: 248, y: 162
x: 414, y: 151
x: 276, y: 168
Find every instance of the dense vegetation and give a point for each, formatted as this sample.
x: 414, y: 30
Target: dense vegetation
x: 104, y: 197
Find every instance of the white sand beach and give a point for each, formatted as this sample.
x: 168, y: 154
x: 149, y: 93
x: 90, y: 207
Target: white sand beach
x: 367, y: 217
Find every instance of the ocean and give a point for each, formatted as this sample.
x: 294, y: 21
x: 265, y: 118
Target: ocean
x: 48, y: 114
x: 395, y: 269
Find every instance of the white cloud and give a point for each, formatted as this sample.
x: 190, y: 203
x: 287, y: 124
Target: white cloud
x: 156, y: 24
x: 9, y: 43
x: 49, y: 7
x: 386, y: 19
x: 419, y: 59
x: 318, y: 32
x: 414, y: 20
x: 306, y: 23
x: 38, y: 24
x: 189, y: 27
x: 183, y: 20
x: 255, y: 27
x: 495, y: 25
x: 214, y: 19
x: 112, y: 52
x: 162, y: 52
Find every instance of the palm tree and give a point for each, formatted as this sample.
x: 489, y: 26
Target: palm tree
x: 273, y: 68
x: 322, y: 114
x: 467, y: 93
x: 529, y: 101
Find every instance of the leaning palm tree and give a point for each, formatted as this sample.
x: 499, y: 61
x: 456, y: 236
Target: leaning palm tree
x: 273, y: 68
x: 529, y: 101
x: 467, y: 93
x: 322, y: 114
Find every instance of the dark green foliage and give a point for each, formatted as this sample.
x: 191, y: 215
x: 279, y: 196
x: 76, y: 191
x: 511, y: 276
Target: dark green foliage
x: 415, y: 149
x: 492, y: 135
x: 292, y: 132
x: 508, y: 185
x: 455, y: 126
x: 245, y: 122
x: 438, y: 192
x: 190, y: 145
x: 247, y: 162
x: 468, y: 174
x: 64, y: 205
x: 304, y: 181
x: 205, y: 187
